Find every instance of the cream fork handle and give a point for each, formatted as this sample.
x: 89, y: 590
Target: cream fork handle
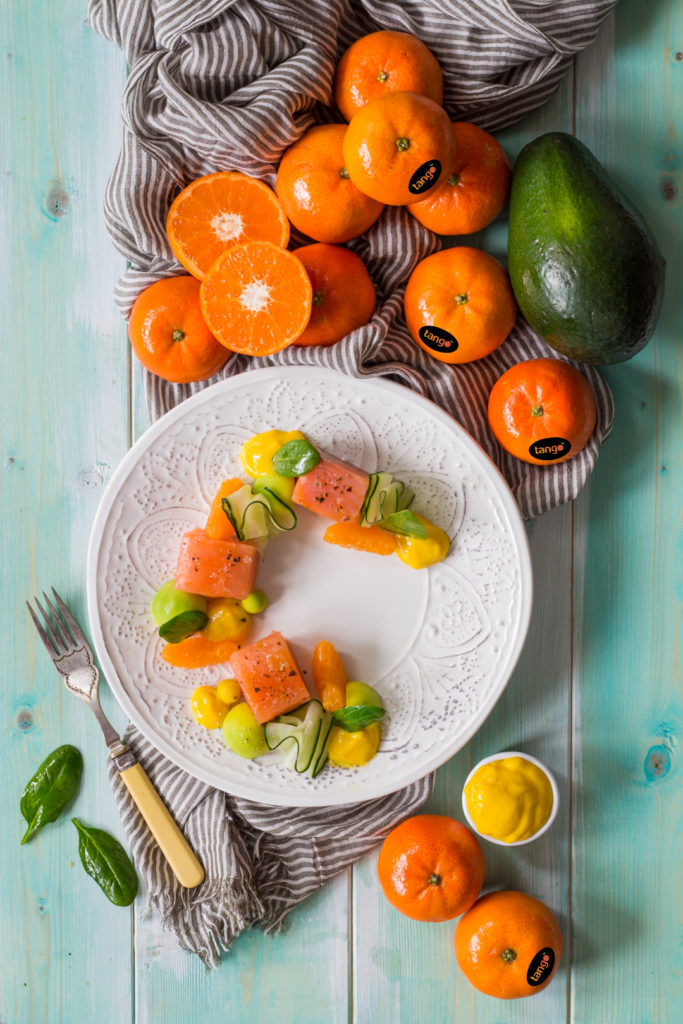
x: 172, y: 842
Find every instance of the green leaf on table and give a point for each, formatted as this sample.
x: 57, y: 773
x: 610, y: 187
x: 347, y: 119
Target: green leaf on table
x: 181, y: 626
x: 53, y: 786
x: 405, y: 522
x: 295, y: 458
x: 107, y: 862
x: 357, y: 717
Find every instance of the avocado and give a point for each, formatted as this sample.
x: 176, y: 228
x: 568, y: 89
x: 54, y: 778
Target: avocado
x: 584, y: 266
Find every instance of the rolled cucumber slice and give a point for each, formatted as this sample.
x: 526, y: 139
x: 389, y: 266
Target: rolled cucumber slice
x: 304, y: 737
x: 383, y: 497
x: 320, y: 754
x: 257, y: 516
x: 282, y: 514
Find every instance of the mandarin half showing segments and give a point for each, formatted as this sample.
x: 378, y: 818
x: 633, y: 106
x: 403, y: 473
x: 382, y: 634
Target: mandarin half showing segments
x: 218, y: 211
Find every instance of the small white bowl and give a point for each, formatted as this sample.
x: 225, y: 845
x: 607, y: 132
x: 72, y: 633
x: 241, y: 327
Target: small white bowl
x: 553, y: 786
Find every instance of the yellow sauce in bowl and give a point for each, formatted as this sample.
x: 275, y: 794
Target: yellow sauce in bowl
x: 509, y: 799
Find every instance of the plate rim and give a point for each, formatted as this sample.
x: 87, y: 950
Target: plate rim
x: 120, y: 473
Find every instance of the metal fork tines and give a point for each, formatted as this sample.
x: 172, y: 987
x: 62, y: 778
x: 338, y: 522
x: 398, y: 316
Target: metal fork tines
x: 72, y: 657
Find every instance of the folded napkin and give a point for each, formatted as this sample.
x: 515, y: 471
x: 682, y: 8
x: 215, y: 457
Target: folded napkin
x: 229, y: 85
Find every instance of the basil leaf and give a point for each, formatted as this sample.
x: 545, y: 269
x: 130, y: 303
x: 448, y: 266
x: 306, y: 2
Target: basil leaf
x: 107, y: 862
x: 295, y: 458
x: 405, y: 522
x: 181, y: 626
x: 53, y: 786
x: 357, y: 717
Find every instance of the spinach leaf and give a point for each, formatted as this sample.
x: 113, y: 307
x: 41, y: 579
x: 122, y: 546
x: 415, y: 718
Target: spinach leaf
x: 181, y: 626
x: 53, y: 786
x: 107, y: 862
x: 357, y: 717
x: 405, y: 522
x: 295, y: 458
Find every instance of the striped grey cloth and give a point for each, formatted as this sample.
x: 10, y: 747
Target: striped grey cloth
x: 229, y: 84
x: 259, y: 861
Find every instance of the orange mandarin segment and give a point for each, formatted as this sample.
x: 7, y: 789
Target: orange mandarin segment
x: 329, y: 676
x: 218, y: 526
x: 198, y: 652
x: 361, y: 538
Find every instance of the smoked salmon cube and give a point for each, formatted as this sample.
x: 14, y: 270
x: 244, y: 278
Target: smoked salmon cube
x: 269, y: 678
x: 214, y: 567
x: 333, y: 489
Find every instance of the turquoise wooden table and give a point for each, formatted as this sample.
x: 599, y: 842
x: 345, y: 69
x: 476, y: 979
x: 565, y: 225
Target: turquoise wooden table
x: 596, y: 694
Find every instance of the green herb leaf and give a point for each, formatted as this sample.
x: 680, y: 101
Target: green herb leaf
x: 405, y: 522
x: 295, y: 458
x: 181, y: 626
x: 107, y: 862
x: 53, y: 786
x: 357, y: 717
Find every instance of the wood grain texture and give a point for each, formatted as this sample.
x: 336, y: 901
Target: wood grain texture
x: 628, y: 807
x: 58, y: 932
x: 597, y: 691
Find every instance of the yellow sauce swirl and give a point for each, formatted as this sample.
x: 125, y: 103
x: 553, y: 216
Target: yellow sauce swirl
x: 421, y: 552
x: 509, y: 799
x: 256, y: 454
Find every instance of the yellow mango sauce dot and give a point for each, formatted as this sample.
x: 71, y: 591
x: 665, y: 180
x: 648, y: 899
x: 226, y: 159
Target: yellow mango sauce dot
x: 509, y: 799
x: 354, y: 749
x: 207, y: 707
x: 421, y: 552
x: 256, y: 454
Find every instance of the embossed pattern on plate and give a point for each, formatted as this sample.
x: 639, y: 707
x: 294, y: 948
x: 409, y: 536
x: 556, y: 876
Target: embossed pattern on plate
x: 438, y: 644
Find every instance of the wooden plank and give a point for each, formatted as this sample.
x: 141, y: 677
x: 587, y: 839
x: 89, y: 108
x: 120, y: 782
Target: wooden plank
x: 628, y: 715
x: 405, y: 971
x: 65, y: 949
x: 295, y: 977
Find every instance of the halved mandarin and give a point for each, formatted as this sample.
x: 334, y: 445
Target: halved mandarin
x: 219, y: 211
x: 257, y: 298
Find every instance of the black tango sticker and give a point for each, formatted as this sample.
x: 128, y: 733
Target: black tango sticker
x: 541, y: 967
x: 550, y: 448
x: 425, y: 177
x: 437, y: 339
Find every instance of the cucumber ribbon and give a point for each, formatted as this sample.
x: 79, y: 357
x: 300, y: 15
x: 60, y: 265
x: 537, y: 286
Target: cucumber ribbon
x: 386, y: 505
x: 256, y: 516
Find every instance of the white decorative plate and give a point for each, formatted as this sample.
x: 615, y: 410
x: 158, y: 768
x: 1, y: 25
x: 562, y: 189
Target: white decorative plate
x: 438, y: 644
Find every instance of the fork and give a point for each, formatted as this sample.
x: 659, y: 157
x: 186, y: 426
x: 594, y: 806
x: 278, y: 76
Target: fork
x: 73, y: 659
